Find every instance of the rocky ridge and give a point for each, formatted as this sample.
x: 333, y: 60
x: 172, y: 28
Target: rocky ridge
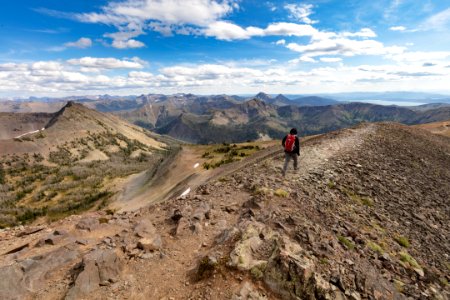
x: 366, y: 217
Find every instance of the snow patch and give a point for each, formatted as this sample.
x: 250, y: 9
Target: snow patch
x: 27, y: 133
x: 184, y: 194
x: 196, y: 165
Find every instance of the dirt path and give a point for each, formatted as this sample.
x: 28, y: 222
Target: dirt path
x: 315, y: 155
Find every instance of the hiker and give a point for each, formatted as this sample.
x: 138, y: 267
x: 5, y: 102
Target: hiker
x: 291, y: 146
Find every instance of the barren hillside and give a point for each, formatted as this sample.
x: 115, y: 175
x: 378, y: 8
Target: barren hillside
x: 366, y: 217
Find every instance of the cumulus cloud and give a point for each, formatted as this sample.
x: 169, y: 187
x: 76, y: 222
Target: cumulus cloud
x: 132, y: 17
x: 106, y: 63
x: 82, y: 43
x: 331, y: 59
x: 195, y: 12
x: 344, y: 47
x: 281, y: 42
x: 228, y: 31
x: 68, y: 77
x: 303, y: 59
x: 301, y: 12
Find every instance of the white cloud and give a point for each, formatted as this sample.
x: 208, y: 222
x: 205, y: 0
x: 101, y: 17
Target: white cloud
x: 195, y: 17
x: 281, y: 42
x: 365, y: 33
x: 331, y: 59
x: 125, y: 39
x: 195, y: 12
x: 344, y: 47
x: 397, y: 28
x: 301, y: 12
x: 106, y: 63
x: 75, y: 76
x: 82, y: 43
x: 290, y: 29
x: 420, y: 56
x: 228, y: 31
x: 304, y: 59
x: 127, y: 44
x: 439, y: 21
x: 131, y: 17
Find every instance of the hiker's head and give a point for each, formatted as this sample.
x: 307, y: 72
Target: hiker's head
x: 293, y: 131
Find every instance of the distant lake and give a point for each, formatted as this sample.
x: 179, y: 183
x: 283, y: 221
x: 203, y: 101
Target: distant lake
x: 387, y: 102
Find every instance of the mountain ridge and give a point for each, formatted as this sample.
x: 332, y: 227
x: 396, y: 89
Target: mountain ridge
x: 366, y: 216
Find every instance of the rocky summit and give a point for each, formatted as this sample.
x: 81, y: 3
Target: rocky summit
x: 367, y: 216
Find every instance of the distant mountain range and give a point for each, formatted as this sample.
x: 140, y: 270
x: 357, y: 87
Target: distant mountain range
x: 224, y: 118
x: 214, y: 119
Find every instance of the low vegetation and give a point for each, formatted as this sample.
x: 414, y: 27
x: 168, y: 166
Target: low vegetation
x: 226, y: 153
x: 402, y: 241
x: 364, y: 200
x: 375, y: 247
x: 281, y: 193
x: 408, y: 260
x: 64, y: 183
x: 346, y: 242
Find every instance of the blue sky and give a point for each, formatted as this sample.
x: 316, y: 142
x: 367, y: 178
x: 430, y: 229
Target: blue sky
x: 57, y: 48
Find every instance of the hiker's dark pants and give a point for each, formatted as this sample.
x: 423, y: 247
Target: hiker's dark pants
x: 287, y: 158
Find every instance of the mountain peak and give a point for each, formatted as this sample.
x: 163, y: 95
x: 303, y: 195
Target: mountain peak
x: 263, y: 96
x: 281, y: 97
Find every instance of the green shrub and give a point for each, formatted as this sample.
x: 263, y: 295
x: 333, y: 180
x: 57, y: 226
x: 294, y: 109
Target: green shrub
x: 206, y: 155
x: 358, y: 198
x: 408, y: 259
x: 346, y: 242
x: 224, y: 149
x: 281, y: 193
x: 257, y: 272
x: 375, y: 247
x: 402, y: 241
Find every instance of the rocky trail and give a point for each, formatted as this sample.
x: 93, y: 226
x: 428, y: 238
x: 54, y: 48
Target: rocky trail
x: 365, y: 217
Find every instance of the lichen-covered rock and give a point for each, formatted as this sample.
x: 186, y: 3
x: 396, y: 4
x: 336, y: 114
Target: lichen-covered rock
x: 290, y: 273
x: 254, y: 248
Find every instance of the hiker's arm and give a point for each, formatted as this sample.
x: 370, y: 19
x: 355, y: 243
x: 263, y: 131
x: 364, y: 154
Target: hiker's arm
x: 297, y: 145
x: 284, y: 141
